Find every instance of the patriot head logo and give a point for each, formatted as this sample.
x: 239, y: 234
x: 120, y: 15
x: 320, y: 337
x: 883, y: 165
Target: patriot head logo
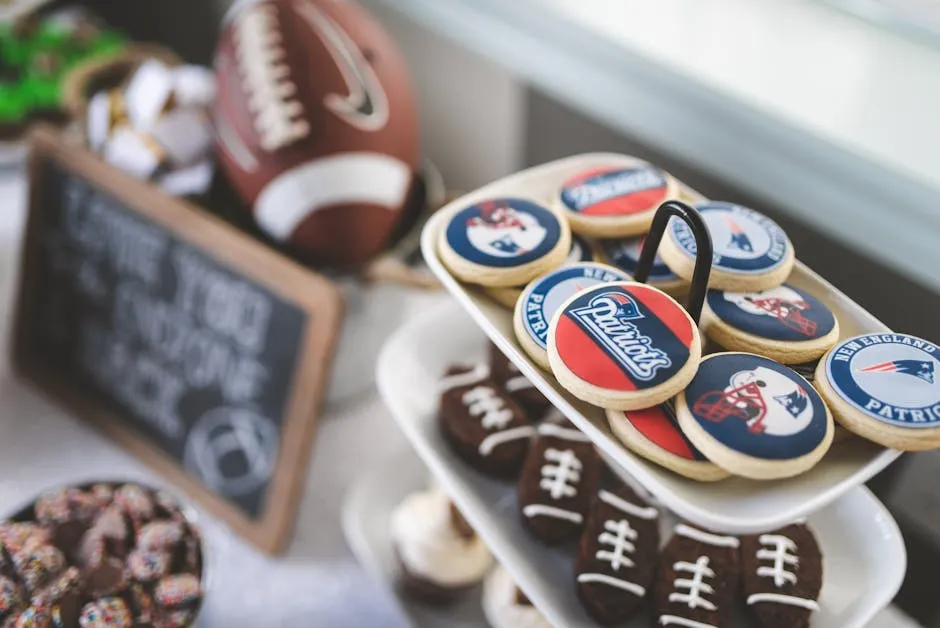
x: 503, y: 231
x: 921, y: 369
x: 626, y: 307
x: 739, y: 240
x: 768, y: 401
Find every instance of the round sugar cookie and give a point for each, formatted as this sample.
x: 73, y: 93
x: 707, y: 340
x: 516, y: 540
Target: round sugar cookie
x: 614, y: 201
x: 625, y: 255
x: 654, y: 434
x: 503, y: 242
x: 623, y: 346
x: 751, y: 251
x: 541, y: 298
x: 754, y: 417
x: 785, y: 323
x: 580, y: 251
x: 884, y: 387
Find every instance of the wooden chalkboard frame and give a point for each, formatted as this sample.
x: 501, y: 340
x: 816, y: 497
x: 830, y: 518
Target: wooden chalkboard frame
x: 309, y: 291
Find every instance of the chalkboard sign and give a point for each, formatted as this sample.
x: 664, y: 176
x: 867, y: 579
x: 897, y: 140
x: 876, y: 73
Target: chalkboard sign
x: 201, y: 349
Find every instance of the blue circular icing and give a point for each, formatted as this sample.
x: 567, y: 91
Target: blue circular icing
x: 744, y: 241
x: 543, y: 298
x: 757, y: 407
x: 503, y: 232
x: 784, y: 313
x: 890, y: 377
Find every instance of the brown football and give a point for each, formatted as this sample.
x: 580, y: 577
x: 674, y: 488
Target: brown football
x: 781, y: 576
x: 316, y: 126
x: 617, y: 555
x: 697, y: 579
x: 558, y: 482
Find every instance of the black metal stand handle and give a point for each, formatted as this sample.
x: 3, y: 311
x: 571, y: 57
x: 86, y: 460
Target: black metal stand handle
x: 703, y: 255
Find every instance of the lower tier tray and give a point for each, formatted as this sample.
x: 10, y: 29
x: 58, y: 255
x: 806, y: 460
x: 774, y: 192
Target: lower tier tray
x: 864, y: 556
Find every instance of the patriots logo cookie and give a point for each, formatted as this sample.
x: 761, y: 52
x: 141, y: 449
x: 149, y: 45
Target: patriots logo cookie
x: 503, y: 242
x: 625, y: 255
x: 754, y: 417
x: 623, y: 346
x: 884, y: 387
x: 751, y: 251
x: 654, y: 434
x: 615, y: 201
x: 784, y: 323
x: 542, y: 298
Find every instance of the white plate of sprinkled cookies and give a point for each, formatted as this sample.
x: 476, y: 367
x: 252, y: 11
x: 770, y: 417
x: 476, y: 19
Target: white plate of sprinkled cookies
x: 863, y: 553
x: 735, y: 505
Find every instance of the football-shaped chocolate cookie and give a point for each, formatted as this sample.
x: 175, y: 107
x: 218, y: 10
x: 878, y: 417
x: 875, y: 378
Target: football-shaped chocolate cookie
x: 782, y: 576
x: 697, y: 579
x: 617, y: 555
x: 316, y: 125
x: 558, y: 481
x: 517, y: 385
x: 483, y: 425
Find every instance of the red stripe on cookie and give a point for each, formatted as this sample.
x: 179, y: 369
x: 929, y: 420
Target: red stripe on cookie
x: 626, y: 205
x: 659, y: 430
x: 587, y: 360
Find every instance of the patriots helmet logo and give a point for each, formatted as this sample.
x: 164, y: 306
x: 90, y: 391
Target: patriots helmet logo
x: 781, y: 303
x: 739, y: 239
x: 769, y: 403
x: 921, y: 369
x: 627, y: 309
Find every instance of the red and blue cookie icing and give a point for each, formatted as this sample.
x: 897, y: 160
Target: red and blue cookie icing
x: 785, y: 313
x: 503, y: 232
x: 757, y: 406
x: 615, y: 191
x: 625, y: 255
x: 745, y: 241
x: 624, y: 337
x: 890, y: 377
x: 660, y: 427
x: 543, y: 297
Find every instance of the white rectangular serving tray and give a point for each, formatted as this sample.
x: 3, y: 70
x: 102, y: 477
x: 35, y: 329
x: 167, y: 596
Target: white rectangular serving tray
x: 863, y: 554
x: 735, y: 505
x: 367, y: 509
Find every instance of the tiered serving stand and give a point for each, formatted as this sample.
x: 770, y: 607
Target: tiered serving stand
x: 864, y: 556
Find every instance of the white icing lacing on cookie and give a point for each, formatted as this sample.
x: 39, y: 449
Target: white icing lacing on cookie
x: 551, y: 429
x: 783, y: 555
x: 492, y: 441
x: 704, y: 537
x: 424, y: 536
x: 618, y: 535
x: 643, y: 512
x: 558, y: 478
x: 517, y: 383
x: 695, y: 586
x: 534, y: 510
x: 483, y: 400
x: 277, y: 114
x: 474, y: 376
